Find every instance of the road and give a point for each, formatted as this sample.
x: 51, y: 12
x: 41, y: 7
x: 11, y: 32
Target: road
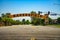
x: 29, y: 32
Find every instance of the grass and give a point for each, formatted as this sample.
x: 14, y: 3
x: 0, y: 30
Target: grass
x: 55, y: 25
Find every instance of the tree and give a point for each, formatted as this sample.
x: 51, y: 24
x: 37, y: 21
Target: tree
x: 33, y: 12
x: 8, y: 13
x: 39, y: 12
x: 27, y: 22
x: 3, y: 15
x: 23, y: 21
x: 48, y: 12
x: 43, y: 22
x: 50, y: 20
x: 38, y: 21
x: 35, y: 21
x: 17, y: 22
x: 58, y: 20
x: 6, y: 21
x: 0, y: 19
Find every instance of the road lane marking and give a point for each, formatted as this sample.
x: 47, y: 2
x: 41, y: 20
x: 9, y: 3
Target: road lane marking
x: 32, y: 38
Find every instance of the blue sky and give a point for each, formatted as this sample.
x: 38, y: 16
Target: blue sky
x: 26, y: 6
x: 22, y: 6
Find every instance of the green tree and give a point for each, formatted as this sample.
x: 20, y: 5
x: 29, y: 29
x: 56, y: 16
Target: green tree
x: 58, y: 20
x: 36, y: 21
x: 8, y: 13
x: 50, y: 20
x: 27, y: 22
x: 48, y: 12
x: 17, y: 22
x: 3, y: 15
x: 23, y: 21
x: 39, y: 12
x: 42, y: 22
x: 33, y: 12
x: 6, y: 21
x: 0, y: 19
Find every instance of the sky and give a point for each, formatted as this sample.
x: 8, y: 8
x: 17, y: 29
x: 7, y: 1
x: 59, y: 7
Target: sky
x: 26, y: 6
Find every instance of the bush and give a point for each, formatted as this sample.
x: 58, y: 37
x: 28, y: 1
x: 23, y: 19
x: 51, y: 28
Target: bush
x: 58, y: 20
x: 27, y: 22
x: 38, y: 21
x: 23, y: 21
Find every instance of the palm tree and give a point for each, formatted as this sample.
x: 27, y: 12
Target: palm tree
x: 39, y: 12
x: 48, y: 12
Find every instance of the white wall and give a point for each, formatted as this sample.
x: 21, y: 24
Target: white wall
x: 54, y: 17
x: 21, y: 18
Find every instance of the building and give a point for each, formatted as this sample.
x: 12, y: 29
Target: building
x: 29, y: 15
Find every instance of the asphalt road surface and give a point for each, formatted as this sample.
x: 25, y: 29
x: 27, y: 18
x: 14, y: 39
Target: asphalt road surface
x: 29, y: 32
